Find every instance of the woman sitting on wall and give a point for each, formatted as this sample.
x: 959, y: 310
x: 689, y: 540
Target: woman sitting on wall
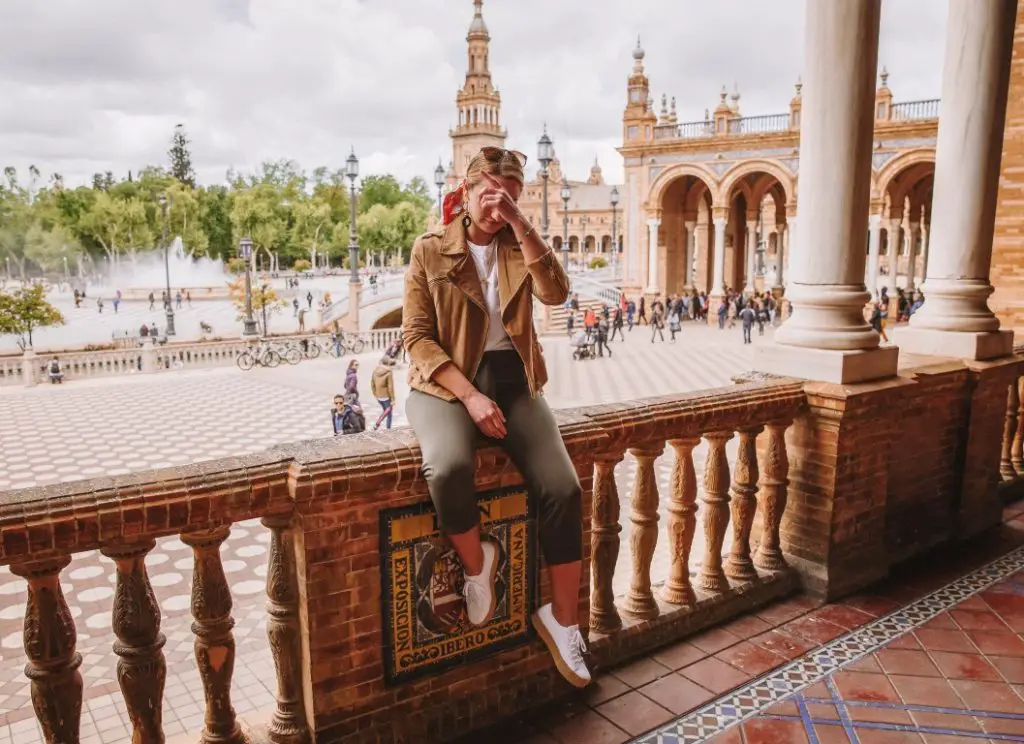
x: 477, y: 369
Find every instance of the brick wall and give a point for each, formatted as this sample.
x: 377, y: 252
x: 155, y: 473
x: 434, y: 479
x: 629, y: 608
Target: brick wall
x: 1008, y: 249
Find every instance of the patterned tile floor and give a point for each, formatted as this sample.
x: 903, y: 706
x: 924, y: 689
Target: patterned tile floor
x: 141, y: 422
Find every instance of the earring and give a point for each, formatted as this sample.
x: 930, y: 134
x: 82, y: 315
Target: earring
x: 467, y: 221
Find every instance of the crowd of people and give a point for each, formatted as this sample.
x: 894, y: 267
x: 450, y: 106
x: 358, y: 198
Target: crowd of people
x: 887, y: 311
x: 347, y: 415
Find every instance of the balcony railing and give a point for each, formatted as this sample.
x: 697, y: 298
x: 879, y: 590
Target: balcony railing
x: 760, y: 124
x: 687, y: 130
x: 322, y: 502
x: 1011, y: 459
x: 915, y: 110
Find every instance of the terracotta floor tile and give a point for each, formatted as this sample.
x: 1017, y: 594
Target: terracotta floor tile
x: 992, y: 696
x: 942, y: 621
x: 943, y: 739
x: 956, y: 722
x: 868, y: 687
x: 865, y: 664
x: 785, y: 708
x: 640, y: 672
x: 747, y: 626
x: 678, y: 655
x: 747, y: 657
x: 965, y: 666
x: 714, y: 640
x: 817, y: 691
x: 926, y: 691
x: 822, y: 711
x: 945, y: 640
x: 971, y: 620
x: 900, y: 661
x: 870, y: 736
x: 732, y: 736
x: 781, y: 612
x: 997, y: 642
x: 1011, y: 667
x: 877, y: 715
x: 604, y: 688
x: 1003, y: 726
x: 762, y: 731
x: 907, y: 642
x: 715, y: 675
x: 589, y: 728
x: 830, y: 734
x: 677, y: 693
x: 634, y: 713
x: 873, y: 605
x: 973, y: 603
x: 786, y: 645
x: 813, y: 629
x: 843, y: 616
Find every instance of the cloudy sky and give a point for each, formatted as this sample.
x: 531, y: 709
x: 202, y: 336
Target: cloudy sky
x: 88, y: 87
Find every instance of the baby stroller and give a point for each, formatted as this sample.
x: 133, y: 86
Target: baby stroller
x: 584, y: 346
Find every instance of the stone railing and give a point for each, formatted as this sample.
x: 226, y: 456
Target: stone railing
x: 915, y: 110
x: 760, y: 124
x: 324, y: 504
x: 30, y: 368
x: 1011, y: 457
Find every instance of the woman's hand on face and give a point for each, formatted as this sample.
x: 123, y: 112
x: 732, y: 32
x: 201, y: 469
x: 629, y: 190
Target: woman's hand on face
x: 496, y: 200
x: 486, y: 415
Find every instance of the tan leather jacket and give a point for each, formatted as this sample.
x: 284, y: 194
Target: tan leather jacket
x: 444, y: 318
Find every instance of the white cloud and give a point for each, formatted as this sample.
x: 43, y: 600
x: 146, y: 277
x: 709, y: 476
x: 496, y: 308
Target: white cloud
x: 95, y: 86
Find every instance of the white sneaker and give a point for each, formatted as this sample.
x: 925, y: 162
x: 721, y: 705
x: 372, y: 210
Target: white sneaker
x: 481, y: 601
x: 565, y: 644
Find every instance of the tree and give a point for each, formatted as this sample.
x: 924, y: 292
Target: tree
x: 24, y: 310
x: 265, y: 302
x: 257, y: 213
x: 118, y: 226
x: 181, y: 158
x: 312, y: 226
x: 380, y: 190
x: 302, y: 265
x: 384, y: 229
x: 48, y: 249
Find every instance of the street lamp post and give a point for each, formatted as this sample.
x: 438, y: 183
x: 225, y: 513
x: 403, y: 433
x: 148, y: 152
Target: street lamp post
x: 249, y: 327
x: 164, y: 200
x: 355, y: 287
x: 545, y: 154
x: 615, y: 232
x: 439, y: 177
x: 584, y: 221
x: 566, y: 196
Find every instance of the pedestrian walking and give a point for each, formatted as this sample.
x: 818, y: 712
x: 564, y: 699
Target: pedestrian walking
x: 642, y: 314
x: 747, y: 318
x: 309, y: 299
x: 188, y: 299
x: 602, y: 338
x: 876, y: 321
x: 570, y: 323
x: 116, y: 302
x: 617, y: 325
x: 630, y: 312
x: 295, y: 304
x: 99, y: 304
x: 151, y: 301
x: 673, y: 326
x: 723, y: 310
x: 302, y: 320
x: 352, y: 380
x: 657, y: 315
x: 177, y: 300
x: 382, y: 387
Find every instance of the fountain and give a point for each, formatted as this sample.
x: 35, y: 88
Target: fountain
x: 203, y: 278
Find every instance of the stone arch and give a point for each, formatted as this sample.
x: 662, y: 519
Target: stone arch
x: 757, y: 165
x: 390, y: 319
x: 883, y: 178
x: 674, y: 172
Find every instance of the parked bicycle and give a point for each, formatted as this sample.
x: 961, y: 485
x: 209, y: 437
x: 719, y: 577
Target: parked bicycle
x: 350, y: 343
x: 263, y: 355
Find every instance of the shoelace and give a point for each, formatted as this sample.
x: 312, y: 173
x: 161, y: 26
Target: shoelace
x: 577, y: 647
x: 470, y: 592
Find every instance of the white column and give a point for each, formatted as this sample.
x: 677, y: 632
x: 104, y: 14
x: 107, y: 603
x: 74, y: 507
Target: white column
x: 874, y: 247
x: 781, y: 249
x: 955, y: 319
x: 751, y: 255
x: 827, y: 337
x: 925, y: 234
x: 895, y: 227
x: 691, y: 248
x: 915, y: 231
x: 718, y: 275
x: 652, y: 254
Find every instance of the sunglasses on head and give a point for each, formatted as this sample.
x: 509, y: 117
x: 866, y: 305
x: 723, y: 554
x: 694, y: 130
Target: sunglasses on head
x: 497, y: 154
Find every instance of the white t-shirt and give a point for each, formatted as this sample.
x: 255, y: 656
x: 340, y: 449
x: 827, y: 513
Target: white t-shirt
x: 486, y: 259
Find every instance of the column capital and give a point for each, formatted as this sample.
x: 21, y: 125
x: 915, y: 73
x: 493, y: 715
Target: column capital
x: 751, y: 225
x: 720, y: 214
x: 875, y: 221
x: 654, y: 222
x: 690, y: 225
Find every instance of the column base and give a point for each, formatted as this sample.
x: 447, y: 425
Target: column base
x: 826, y: 365
x: 959, y: 344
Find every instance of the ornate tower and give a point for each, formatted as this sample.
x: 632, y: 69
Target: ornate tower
x: 639, y: 118
x: 478, y: 104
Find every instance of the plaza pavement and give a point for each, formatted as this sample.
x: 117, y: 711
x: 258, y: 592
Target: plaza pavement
x: 108, y: 426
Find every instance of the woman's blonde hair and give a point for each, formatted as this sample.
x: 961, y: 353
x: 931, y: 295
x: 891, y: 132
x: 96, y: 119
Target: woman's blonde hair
x: 506, y: 165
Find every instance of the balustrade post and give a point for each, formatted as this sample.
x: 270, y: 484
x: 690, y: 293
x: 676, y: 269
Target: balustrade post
x: 141, y: 670
x: 288, y: 725
x: 716, y: 511
x: 1017, y: 448
x: 215, y: 643
x: 772, y: 497
x: 682, y: 523
x: 744, y: 502
x: 643, y: 538
x: 604, y: 546
x: 53, y: 663
x: 1006, y: 468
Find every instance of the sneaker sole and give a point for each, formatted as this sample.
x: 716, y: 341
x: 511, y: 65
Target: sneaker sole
x: 570, y: 676
x: 494, y: 597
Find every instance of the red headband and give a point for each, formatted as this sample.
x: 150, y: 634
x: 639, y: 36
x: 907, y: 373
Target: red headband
x: 453, y: 204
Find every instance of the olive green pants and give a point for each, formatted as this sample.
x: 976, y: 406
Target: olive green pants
x: 449, y: 438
